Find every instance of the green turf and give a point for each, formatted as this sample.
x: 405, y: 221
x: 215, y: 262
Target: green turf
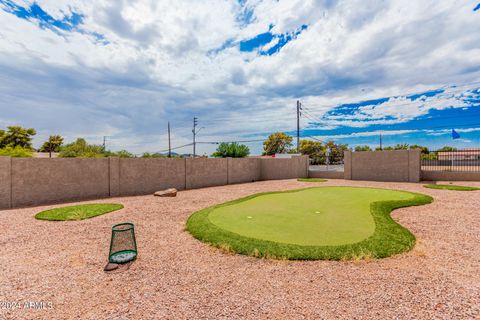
x: 78, y: 212
x: 311, y: 180
x: 450, y: 187
x: 313, y: 223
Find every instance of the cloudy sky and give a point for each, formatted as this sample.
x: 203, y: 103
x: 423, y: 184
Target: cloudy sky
x: 407, y: 69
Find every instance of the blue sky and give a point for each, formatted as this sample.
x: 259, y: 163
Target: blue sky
x: 409, y: 71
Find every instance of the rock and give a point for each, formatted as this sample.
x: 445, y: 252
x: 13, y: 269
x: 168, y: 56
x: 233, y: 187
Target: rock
x: 110, y: 266
x: 172, y: 192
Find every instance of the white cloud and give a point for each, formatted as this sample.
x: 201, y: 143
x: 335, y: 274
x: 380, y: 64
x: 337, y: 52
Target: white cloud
x: 375, y: 133
x: 155, y: 66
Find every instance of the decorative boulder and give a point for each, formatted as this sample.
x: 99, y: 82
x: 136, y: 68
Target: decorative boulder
x: 172, y: 192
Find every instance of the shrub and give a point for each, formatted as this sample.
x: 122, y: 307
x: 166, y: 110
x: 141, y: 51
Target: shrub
x: 232, y: 150
x: 17, y: 152
x: 80, y: 148
x: 120, y: 154
x: 153, y: 155
x: 362, y: 148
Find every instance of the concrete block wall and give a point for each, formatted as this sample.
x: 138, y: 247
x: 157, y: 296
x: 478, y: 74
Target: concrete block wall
x: 326, y: 174
x: 147, y: 175
x: 205, y: 172
x: 5, y: 182
x: 241, y: 170
x: 35, y: 181
x: 114, y: 176
x: 275, y: 169
x: 347, y: 165
x: 396, y: 165
x: 414, y: 165
x: 450, y: 176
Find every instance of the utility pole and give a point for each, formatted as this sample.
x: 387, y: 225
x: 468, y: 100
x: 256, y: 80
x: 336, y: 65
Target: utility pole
x: 381, y: 142
x: 299, y: 107
x: 169, y: 145
x: 104, y: 142
x: 194, y: 131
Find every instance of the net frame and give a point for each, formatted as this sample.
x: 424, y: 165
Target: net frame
x: 123, y: 245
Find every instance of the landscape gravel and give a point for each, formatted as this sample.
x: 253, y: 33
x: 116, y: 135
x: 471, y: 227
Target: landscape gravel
x: 54, y: 270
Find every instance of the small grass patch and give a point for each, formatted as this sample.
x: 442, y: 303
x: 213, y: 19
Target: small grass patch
x: 311, y: 180
x: 78, y: 212
x: 450, y: 187
x: 321, y: 223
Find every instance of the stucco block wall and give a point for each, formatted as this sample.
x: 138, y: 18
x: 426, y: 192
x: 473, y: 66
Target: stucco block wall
x: 114, y: 176
x: 397, y: 165
x: 205, y: 172
x: 326, y: 174
x: 347, y: 165
x: 275, y: 169
x: 5, y: 182
x: 147, y: 175
x: 450, y: 176
x: 37, y: 181
x: 243, y: 170
x: 414, y: 165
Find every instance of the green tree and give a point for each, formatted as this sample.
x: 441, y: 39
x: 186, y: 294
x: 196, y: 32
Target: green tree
x: 400, y: 146
x: 447, y: 148
x: 423, y: 150
x: 278, y: 142
x: 314, y: 149
x: 231, y: 150
x: 52, y: 144
x: 80, y: 148
x: 120, y: 154
x: 362, y: 148
x: 336, y: 152
x: 153, y: 155
x: 17, y: 136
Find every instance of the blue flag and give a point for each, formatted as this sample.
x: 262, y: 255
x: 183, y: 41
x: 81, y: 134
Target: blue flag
x: 455, y: 134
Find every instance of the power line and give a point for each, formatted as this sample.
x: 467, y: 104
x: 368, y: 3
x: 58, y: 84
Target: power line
x: 311, y: 137
x: 237, y: 141
x: 308, y: 116
x: 175, y: 148
x: 249, y: 119
x: 411, y: 130
x: 410, y: 102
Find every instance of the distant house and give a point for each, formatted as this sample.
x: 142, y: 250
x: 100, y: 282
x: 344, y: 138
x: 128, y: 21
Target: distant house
x: 463, y: 154
x: 45, y: 155
x: 279, y: 156
x: 286, y: 155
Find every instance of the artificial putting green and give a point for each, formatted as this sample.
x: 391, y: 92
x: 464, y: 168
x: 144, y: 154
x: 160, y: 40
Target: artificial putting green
x: 450, y: 187
x: 313, y: 223
x: 78, y: 212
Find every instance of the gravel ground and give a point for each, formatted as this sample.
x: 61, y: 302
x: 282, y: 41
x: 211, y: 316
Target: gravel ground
x: 175, y: 276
